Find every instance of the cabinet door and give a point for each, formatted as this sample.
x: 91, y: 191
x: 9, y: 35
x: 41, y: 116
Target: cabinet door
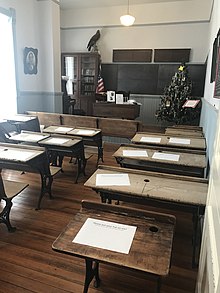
x: 70, y: 73
x: 88, y: 75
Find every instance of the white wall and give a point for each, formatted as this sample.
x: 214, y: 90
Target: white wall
x: 38, y: 26
x: 34, y: 29
x: 180, y: 24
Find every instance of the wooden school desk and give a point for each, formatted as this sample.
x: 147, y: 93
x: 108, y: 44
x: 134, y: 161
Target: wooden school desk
x: 28, y: 159
x: 163, y: 140
x: 57, y: 145
x: 156, y: 189
x: 152, y: 158
x: 154, y: 228
x: 90, y: 136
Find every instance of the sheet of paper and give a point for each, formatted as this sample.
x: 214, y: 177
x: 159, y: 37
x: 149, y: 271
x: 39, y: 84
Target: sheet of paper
x: 56, y: 140
x: 179, y: 140
x: 16, y: 155
x: 135, y: 153
x: 164, y: 156
x: 85, y: 132
x: 63, y: 129
x: 106, y: 235
x: 191, y: 104
x: 112, y: 179
x: 150, y: 139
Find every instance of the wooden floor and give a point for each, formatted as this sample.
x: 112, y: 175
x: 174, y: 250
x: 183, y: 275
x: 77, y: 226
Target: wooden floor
x: 28, y: 263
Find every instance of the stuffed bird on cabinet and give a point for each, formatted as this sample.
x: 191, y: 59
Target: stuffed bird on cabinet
x: 92, y: 42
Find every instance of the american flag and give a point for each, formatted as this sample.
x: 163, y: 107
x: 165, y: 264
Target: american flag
x: 100, y: 85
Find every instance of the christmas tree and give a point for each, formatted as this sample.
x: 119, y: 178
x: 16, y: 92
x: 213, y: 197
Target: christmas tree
x: 172, y: 104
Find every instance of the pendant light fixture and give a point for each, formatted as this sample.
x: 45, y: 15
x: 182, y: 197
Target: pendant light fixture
x: 127, y: 19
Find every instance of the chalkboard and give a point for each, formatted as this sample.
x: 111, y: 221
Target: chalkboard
x: 217, y: 78
x: 149, y: 79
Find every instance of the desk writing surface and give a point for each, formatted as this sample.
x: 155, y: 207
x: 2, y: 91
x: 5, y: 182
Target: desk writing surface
x: 150, y: 252
x: 10, y: 153
x: 59, y: 141
x: 57, y: 129
x: 145, y: 184
x: 88, y: 132
x: 28, y: 137
x: 187, y: 142
x: 20, y: 118
x: 184, y: 159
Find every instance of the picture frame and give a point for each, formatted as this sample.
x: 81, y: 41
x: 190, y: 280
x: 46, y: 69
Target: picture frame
x: 111, y: 96
x: 30, y: 60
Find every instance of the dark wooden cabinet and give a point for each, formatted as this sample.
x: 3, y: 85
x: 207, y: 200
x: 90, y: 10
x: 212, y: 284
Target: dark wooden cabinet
x: 82, y: 70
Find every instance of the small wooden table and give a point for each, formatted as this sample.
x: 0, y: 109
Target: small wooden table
x: 157, y: 189
x: 90, y: 136
x: 161, y: 160
x: 28, y: 159
x: 150, y: 250
x: 194, y: 144
x: 112, y: 110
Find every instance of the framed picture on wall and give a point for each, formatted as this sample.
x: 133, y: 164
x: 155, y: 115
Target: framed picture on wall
x: 217, y: 76
x: 30, y: 60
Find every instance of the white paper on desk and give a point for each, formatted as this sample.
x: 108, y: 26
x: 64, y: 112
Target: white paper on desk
x: 85, y: 132
x: 63, y: 129
x: 34, y: 137
x: 164, y: 156
x: 179, y: 140
x: 150, y: 139
x: 112, y: 179
x: 135, y: 153
x: 16, y: 155
x: 106, y: 235
x: 55, y: 140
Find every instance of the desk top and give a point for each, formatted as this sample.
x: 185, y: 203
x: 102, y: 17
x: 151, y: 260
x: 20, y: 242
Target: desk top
x: 150, y: 251
x: 19, y: 153
x: 172, y: 157
x: 26, y: 136
x: 79, y: 131
x: 160, y: 186
x: 20, y: 118
x: 170, y: 141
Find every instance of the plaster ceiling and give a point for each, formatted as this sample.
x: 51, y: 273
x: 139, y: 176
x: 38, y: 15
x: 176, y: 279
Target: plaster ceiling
x: 71, y: 4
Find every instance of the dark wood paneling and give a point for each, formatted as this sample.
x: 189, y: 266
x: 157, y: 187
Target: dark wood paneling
x: 171, y: 55
x: 132, y: 55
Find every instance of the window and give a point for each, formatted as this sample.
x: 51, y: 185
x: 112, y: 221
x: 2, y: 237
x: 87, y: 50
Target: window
x: 8, y: 91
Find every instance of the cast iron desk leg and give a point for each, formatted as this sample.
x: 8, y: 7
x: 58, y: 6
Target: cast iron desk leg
x: 91, y: 272
x: 158, y: 284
